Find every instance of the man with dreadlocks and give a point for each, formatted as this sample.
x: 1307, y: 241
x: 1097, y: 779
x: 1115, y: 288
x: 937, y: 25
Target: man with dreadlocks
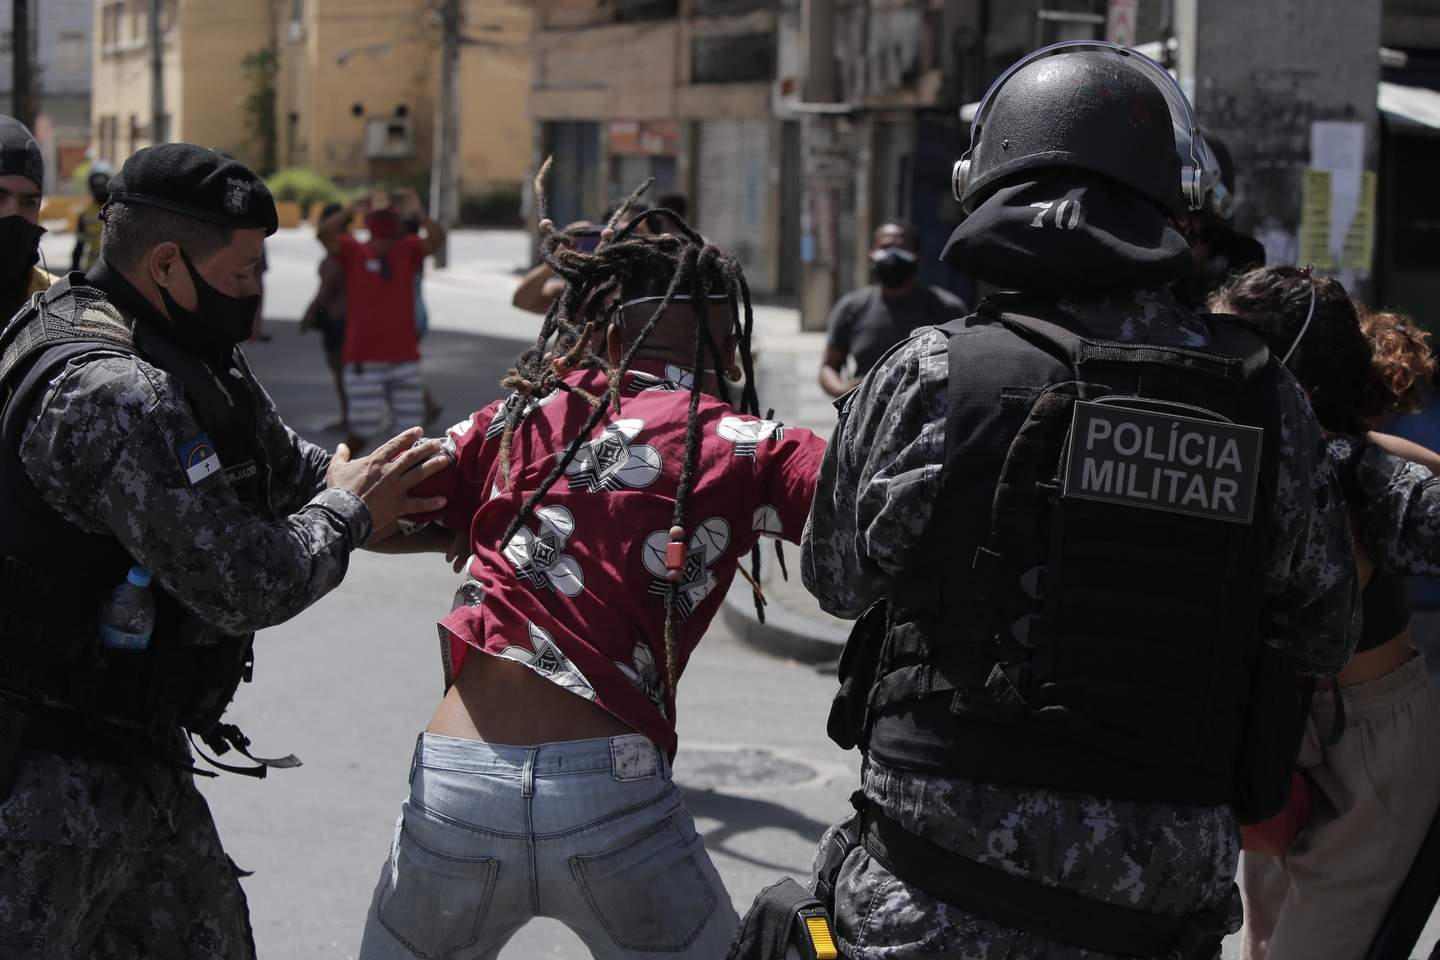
x: 608, y: 503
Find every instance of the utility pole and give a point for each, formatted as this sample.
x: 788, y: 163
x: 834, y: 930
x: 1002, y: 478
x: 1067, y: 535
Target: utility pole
x: 22, y: 68
x: 824, y: 176
x: 157, y: 77
x: 444, y: 188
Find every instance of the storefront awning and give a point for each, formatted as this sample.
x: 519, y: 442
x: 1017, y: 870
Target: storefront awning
x: 1412, y: 107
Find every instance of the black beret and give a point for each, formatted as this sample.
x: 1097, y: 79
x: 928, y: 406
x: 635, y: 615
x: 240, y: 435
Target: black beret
x: 196, y: 182
x: 19, y: 153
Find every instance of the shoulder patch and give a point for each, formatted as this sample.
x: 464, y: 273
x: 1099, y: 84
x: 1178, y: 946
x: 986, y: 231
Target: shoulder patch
x: 198, y: 458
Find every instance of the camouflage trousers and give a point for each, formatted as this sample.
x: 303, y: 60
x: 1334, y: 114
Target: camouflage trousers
x: 114, y: 860
x: 1168, y: 860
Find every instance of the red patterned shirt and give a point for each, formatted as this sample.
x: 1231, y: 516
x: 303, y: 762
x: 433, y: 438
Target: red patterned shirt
x: 578, y: 593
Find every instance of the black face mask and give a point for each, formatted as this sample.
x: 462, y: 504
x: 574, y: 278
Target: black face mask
x: 218, y: 322
x: 19, y: 248
x: 894, y: 267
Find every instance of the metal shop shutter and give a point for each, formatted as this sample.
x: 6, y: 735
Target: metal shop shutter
x: 735, y: 203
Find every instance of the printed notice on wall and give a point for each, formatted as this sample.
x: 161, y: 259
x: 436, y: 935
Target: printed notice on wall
x: 1360, y: 239
x: 1315, y: 221
x: 1337, y: 148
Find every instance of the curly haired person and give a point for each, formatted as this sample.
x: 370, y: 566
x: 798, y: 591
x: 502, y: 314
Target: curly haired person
x: 1374, y: 730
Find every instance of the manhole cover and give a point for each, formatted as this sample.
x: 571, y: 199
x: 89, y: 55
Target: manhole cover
x: 707, y: 769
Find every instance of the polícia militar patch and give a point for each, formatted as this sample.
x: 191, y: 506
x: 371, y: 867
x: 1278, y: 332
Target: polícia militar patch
x: 1206, y: 468
x: 198, y: 458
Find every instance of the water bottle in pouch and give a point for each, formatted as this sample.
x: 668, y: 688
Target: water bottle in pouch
x: 129, y: 615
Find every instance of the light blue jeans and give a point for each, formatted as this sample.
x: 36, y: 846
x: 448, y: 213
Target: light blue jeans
x: 592, y: 833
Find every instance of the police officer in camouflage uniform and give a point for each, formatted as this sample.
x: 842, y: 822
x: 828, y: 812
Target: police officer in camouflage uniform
x: 22, y: 177
x: 134, y: 433
x: 1064, y: 627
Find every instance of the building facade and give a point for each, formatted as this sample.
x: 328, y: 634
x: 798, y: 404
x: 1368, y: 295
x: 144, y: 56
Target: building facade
x: 348, y: 89
x: 60, y: 49
x: 681, y: 91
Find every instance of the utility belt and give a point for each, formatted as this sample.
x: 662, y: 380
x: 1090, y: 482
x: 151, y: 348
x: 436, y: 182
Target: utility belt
x: 29, y: 725
x: 1017, y: 903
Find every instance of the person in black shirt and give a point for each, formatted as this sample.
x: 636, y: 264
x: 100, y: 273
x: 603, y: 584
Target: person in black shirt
x: 866, y: 322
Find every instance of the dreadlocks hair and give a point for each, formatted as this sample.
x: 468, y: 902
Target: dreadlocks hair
x: 630, y: 265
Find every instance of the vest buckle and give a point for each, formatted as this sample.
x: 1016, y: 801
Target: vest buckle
x: 1022, y: 628
x: 1032, y: 581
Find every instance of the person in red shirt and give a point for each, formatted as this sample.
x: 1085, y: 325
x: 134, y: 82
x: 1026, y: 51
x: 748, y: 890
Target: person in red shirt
x: 381, y: 352
x: 606, y: 506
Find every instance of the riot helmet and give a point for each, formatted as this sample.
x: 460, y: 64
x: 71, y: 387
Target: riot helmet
x: 1093, y: 105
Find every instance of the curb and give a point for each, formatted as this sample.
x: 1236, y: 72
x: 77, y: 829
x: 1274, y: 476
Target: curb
x: 784, y: 633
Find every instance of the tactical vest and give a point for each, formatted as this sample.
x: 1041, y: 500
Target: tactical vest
x: 1082, y: 613
x: 54, y: 577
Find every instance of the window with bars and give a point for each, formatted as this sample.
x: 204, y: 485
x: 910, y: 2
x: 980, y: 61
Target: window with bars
x: 627, y: 11
x: 734, y: 58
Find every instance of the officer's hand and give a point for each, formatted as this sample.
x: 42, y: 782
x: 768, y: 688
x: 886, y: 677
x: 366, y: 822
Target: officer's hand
x: 384, y: 478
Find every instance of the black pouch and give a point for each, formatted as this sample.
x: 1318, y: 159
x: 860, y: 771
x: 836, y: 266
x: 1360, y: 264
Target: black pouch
x: 783, y: 915
x: 1270, y: 742
x: 859, y: 669
x: 14, y: 729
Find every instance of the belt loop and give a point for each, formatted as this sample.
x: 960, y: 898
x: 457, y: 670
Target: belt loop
x: 415, y: 756
x: 527, y: 778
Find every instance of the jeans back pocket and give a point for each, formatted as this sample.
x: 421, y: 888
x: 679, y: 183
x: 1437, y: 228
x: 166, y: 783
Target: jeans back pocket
x: 433, y: 902
x: 651, y: 893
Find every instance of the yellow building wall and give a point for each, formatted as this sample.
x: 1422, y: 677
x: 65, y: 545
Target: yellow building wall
x: 495, y: 76
x: 375, y: 56
x: 203, y: 79
x: 121, y: 81
x: 215, y: 35
x: 347, y: 62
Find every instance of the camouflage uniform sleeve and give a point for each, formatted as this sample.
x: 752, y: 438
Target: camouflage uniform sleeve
x: 102, y: 450
x: 879, y: 478
x: 298, y: 472
x: 1398, y: 505
x: 297, y: 466
x: 1312, y: 600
